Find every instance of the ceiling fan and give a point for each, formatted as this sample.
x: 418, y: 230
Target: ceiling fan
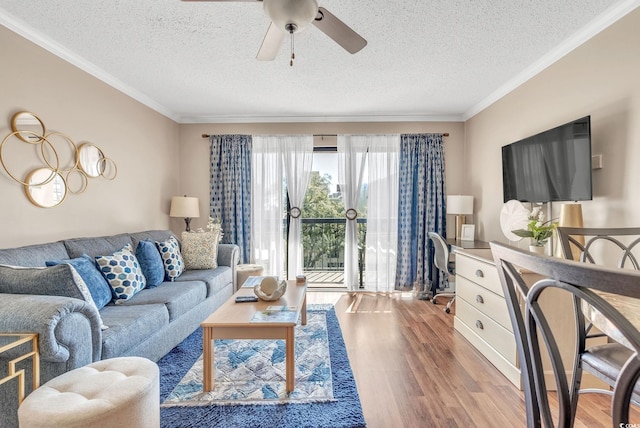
x: 292, y: 16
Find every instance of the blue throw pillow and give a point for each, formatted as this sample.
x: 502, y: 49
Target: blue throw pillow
x: 123, y: 273
x: 150, y: 263
x: 87, y: 269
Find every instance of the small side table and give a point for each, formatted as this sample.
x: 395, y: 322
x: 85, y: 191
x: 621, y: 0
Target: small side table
x: 245, y: 271
x: 12, y: 340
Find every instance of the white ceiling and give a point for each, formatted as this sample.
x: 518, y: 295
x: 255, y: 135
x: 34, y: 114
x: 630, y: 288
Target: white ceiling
x: 425, y: 60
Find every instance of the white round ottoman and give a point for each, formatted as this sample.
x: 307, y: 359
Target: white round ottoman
x: 114, y: 393
x: 245, y: 271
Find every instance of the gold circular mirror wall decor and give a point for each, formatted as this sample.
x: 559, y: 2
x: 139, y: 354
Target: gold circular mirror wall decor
x: 77, y: 181
x: 108, y: 168
x: 3, y: 160
x: 90, y: 159
x: 66, y: 153
x: 28, y: 126
x: 49, y: 194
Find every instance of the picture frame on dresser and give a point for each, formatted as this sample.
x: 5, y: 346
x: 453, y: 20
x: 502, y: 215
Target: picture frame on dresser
x: 468, y: 232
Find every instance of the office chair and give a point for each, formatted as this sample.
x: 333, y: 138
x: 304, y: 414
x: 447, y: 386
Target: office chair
x: 442, y: 262
x: 530, y: 324
x: 601, y: 246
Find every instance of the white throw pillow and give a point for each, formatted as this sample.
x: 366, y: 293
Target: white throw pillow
x: 200, y: 249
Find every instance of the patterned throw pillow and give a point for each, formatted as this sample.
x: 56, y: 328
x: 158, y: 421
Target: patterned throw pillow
x: 123, y: 273
x: 171, y: 257
x: 200, y: 249
x: 82, y: 286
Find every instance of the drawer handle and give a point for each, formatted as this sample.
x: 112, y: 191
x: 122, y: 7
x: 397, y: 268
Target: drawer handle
x: 479, y: 274
x: 479, y: 299
x: 479, y: 325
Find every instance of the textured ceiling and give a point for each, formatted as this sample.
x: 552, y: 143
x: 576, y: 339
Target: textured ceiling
x: 425, y: 60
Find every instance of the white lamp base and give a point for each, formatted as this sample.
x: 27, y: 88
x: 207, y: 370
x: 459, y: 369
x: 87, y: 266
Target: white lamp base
x: 459, y: 223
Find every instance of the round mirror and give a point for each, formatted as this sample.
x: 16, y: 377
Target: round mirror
x: 90, y: 159
x: 45, y: 188
x: 28, y: 127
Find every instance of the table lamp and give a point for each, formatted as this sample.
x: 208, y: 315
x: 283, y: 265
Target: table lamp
x: 185, y: 207
x: 459, y: 205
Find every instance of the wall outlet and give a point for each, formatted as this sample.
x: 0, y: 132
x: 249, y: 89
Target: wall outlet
x: 596, y: 162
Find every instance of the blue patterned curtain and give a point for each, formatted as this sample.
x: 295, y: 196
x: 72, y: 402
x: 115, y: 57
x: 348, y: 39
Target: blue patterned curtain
x: 421, y: 209
x: 230, y: 189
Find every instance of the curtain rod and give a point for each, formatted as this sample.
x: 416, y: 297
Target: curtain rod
x: 446, y: 134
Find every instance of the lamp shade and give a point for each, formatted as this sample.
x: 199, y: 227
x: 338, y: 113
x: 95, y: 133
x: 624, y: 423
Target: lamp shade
x: 184, y: 206
x: 459, y: 204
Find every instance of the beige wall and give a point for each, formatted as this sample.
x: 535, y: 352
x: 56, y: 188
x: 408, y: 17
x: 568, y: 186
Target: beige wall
x: 602, y: 79
x: 194, y: 150
x: 140, y: 141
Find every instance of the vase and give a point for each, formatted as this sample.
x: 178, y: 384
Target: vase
x: 538, y: 249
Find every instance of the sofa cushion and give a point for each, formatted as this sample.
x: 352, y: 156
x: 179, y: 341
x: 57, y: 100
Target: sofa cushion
x: 33, y: 255
x: 60, y: 280
x: 216, y: 279
x: 170, y: 253
x: 179, y: 298
x: 152, y: 235
x: 123, y: 273
x: 129, y: 326
x: 200, y: 249
x: 98, y: 246
x: 150, y: 262
x: 87, y: 269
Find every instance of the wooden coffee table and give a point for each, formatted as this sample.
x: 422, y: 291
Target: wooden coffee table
x: 234, y: 321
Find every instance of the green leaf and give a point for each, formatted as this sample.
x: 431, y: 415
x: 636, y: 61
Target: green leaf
x: 523, y: 233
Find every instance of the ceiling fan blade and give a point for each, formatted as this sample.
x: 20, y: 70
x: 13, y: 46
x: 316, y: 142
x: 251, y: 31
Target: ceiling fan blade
x: 270, y: 44
x: 340, y: 32
x: 224, y: 0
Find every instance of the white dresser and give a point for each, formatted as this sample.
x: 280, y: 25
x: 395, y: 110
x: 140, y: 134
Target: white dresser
x: 482, y: 317
x: 481, y: 312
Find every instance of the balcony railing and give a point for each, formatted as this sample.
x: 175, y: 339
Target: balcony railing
x: 323, y: 243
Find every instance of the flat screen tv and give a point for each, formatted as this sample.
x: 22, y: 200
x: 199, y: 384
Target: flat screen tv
x: 554, y: 165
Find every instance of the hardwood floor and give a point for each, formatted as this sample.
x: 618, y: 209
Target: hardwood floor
x: 413, y: 370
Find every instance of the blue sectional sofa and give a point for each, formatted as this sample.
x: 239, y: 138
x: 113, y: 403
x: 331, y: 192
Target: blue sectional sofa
x: 149, y: 324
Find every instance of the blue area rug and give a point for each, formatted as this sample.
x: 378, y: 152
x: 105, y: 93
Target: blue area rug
x: 343, y: 409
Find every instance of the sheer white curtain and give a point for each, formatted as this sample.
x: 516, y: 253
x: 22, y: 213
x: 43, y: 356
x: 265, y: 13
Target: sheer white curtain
x: 267, y: 205
x: 382, y: 213
x: 298, y: 159
x: 352, y: 150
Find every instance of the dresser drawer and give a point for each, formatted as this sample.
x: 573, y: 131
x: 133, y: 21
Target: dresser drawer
x: 482, y: 273
x: 485, y: 301
x: 499, y: 338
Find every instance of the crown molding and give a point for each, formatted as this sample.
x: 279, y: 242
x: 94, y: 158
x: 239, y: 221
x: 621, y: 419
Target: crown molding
x: 29, y: 33
x: 318, y: 119
x: 603, y: 21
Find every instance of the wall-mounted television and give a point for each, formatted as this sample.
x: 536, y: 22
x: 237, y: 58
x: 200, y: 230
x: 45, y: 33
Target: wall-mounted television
x: 554, y: 165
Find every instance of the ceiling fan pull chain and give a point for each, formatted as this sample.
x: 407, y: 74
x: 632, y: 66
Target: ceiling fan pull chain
x: 293, y: 55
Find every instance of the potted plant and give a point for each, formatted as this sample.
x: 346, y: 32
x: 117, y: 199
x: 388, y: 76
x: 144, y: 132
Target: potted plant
x: 538, y: 230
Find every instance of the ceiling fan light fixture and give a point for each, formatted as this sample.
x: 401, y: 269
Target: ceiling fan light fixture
x: 283, y: 13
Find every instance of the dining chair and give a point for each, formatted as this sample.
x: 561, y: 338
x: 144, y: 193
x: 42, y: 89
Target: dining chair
x: 584, y: 282
x: 619, y: 247
x: 442, y: 261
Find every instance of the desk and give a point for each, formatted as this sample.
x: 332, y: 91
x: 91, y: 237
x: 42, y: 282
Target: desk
x: 457, y: 244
